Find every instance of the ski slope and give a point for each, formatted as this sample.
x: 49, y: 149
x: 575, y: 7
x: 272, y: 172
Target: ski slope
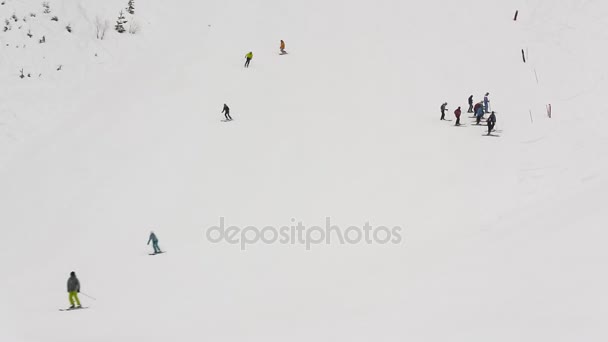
x: 502, y: 236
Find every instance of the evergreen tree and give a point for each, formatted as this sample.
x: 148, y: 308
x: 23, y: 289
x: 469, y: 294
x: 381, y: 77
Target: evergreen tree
x: 120, y: 23
x: 131, y: 7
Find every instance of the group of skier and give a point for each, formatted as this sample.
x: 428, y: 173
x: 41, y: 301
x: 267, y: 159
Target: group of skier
x: 249, y: 55
x: 478, y: 109
x: 248, y: 58
x: 74, y: 283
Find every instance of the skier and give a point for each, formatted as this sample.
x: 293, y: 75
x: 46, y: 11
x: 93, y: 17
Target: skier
x: 73, y: 290
x: 478, y: 112
x: 282, y: 47
x: 476, y: 108
x: 226, y: 112
x: 154, y: 240
x: 486, y: 103
x: 470, y: 104
x: 491, y: 122
x: 443, y: 109
x: 248, y: 58
x: 457, y: 113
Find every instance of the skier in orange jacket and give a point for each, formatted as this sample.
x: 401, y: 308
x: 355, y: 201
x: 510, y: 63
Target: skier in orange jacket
x: 282, y: 47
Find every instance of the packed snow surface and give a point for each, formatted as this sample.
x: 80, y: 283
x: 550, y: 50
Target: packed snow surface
x: 502, y: 237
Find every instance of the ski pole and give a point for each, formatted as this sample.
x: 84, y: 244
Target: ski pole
x: 86, y: 295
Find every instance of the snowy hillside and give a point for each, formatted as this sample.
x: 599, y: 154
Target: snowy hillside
x: 501, y: 237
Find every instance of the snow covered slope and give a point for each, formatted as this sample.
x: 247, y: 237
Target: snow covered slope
x: 502, y: 236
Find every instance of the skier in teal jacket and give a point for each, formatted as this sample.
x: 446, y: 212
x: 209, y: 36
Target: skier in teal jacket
x: 154, y: 241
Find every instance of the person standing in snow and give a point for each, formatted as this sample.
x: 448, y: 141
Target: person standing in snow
x: 491, y: 123
x: 457, y: 114
x: 443, y: 109
x: 478, y: 112
x: 154, y: 240
x: 73, y: 290
x: 476, y: 107
x: 248, y: 58
x: 486, y: 103
x: 470, y: 104
x: 282, y: 47
x: 226, y: 112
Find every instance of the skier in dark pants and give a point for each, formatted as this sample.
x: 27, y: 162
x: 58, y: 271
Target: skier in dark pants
x: 248, y: 58
x: 73, y: 290
x: 491, y: 123
x: 478, y: 113
x: 470, y: 104
x: 226, y: 112
x: 457, y: 113
x: 154, y: 240
x: 486, y: 103
x: 476, y: 108
x: 443, y: 109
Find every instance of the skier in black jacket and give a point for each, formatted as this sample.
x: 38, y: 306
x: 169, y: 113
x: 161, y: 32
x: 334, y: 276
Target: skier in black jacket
x: 443, y: 109
x: 470, y: 104
x: 491, y: 122
x: 226, y: 112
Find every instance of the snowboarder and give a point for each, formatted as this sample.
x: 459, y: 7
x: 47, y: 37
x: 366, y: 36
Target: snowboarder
x: 486, y: 103
x: 470, y: 104
x: 248, y: 58
x: 154, y: 240
x: 282, y: 47
x: 457, y: 113
x: 73, y: 290
x: 478, y: 112
x: 443, y: 109
x: 226, y: 112
x: 491, y: 122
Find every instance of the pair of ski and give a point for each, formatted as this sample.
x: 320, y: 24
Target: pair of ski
x: 75, y: 308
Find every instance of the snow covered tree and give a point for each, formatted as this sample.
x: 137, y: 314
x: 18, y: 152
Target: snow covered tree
x: 120, y: 23
x: 131, y: 7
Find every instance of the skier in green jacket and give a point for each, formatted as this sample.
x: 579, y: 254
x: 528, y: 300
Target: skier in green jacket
x: 248, y: 58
